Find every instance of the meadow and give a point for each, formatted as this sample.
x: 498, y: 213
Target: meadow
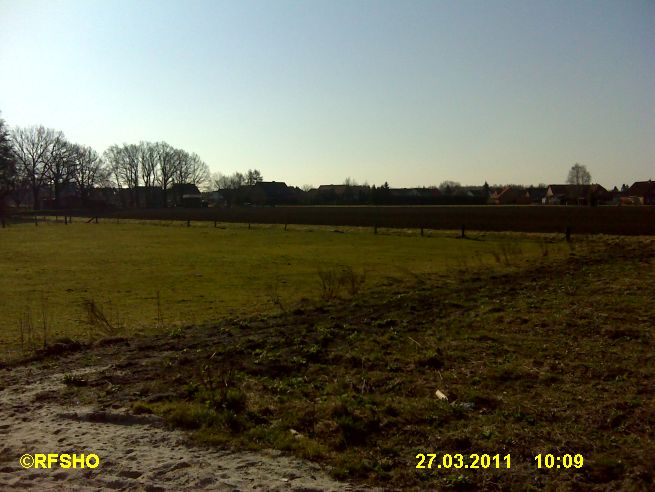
x: 496, y: 344
x: 149, y: 276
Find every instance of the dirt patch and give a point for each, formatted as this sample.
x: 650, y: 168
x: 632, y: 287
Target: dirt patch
x: 136, y: 451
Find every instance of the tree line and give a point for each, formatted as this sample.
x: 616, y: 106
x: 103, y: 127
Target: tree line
x: 35, y: 160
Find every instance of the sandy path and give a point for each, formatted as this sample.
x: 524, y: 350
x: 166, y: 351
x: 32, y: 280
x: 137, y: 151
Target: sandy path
x: 136, y: 452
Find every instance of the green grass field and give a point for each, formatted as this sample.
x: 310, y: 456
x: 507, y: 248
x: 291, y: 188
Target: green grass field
x: 540, y: 346
x: 202, y: 273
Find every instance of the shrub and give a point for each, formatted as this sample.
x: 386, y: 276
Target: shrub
x: 333, y: 279
x: 329, y: 280
x: 98, y: 320
x: 352, y: 280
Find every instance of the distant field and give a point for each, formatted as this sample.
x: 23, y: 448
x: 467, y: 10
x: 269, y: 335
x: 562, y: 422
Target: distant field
x: 521, y: 218
x: 202, y: 273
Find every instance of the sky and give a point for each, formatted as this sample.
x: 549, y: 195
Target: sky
x: 409, y: 92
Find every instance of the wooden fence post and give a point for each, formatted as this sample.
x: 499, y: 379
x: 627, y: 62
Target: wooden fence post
x: 421, y: 232
x: 568, y: 234
x: 188, y: 223
x: 463, y: 231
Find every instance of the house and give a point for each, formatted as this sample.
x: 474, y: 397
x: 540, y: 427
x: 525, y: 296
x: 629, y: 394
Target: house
x: 405, y: 193
x: 269, y: 193
x: 150, y: 197
x: 214, y: 198
x: 275, y: 193
x: 67, y: 197
x: 591, y: 194
x: 184, y: 195
x: 104, y: 197
x: 475, y: 192
x: 629, y: 200
x: 140, y: 197
x: 615, y: 196
x: 343, y: 194
x: 510, y: 196
x: 537, y: 194
x: 310, y: 197
x: 644, y: 191
x: 464, y: 195
x: 331, y: 189
x: 413, y: 196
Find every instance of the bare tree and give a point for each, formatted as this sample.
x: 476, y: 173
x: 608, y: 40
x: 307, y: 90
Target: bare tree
x: 181, y: 169
x: 189, y: 168
x: 253, y: 176
x: 217, y: 181
x: 227, y: 182
x: 237, y: 180
x: 149, y: 163
x: 198, y: 170
x: 153, y: 164
x: 449, y: 187
x: 36, y: 149
x: 61, y: 169
x: 149, y: 169
x: 578, y: 175
x: 124, y: 164
x: 90, y: 171
x: 132, y: 169
x: 166, y: 157
x: 113, y: 156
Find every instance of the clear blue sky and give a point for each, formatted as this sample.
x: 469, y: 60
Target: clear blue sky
x: 311, y: 92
